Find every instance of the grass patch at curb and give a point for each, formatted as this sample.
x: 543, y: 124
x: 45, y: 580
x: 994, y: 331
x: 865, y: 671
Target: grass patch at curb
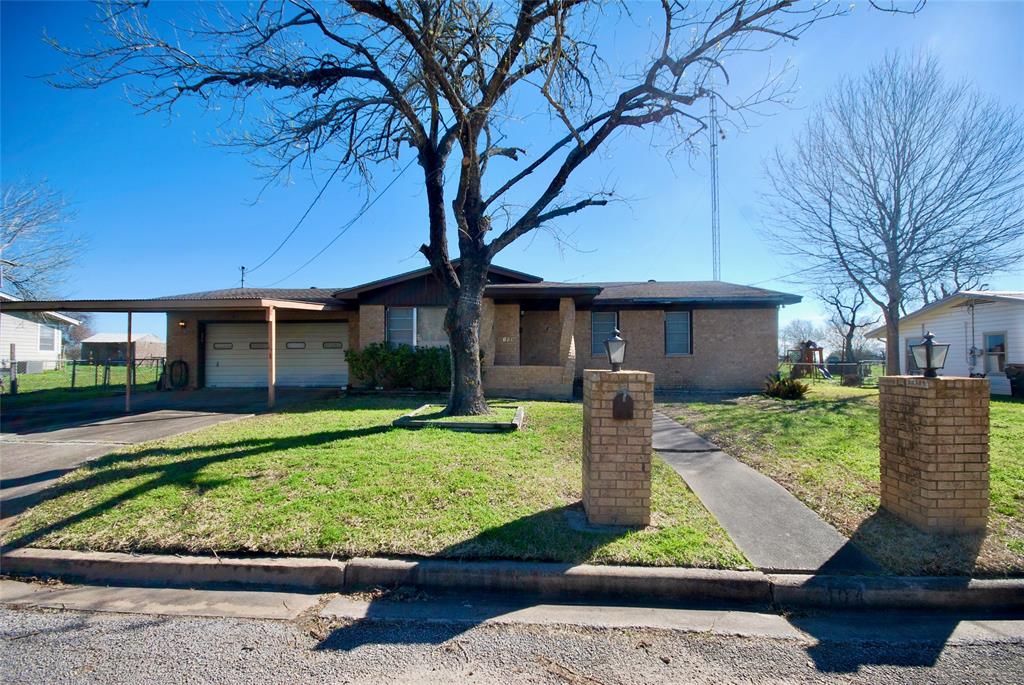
x: 824, y: 449
x: 335, y: 478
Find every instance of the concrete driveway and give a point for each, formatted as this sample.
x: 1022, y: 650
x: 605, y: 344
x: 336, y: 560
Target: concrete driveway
x: 39, y: 444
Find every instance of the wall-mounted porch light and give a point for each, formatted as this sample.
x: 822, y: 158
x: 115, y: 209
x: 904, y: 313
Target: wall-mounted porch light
x: 615, y: 346
x: 930, y: 355
x: 182, y: 324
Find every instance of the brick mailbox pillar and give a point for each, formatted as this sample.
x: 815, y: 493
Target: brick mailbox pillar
x: 933, y: 438
x: 617, y: 451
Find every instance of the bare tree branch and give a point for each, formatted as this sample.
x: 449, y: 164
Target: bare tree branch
x: 37, y: 246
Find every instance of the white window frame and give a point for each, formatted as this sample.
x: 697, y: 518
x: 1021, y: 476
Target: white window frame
x: 600, y: 352
x: 387, y: 326
x: 53, y: 338
x: 689, y: 334
x: 990, y: 358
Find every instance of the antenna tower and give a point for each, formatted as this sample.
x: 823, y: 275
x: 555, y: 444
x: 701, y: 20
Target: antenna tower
x: 716, y: 247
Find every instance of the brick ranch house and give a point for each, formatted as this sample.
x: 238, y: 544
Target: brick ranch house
x: 537, y: 336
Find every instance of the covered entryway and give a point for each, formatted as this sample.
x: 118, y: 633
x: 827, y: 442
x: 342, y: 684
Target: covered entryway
x: 308, y: 355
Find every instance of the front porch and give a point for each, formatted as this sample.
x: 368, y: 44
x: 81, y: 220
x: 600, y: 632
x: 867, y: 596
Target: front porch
x: 529, y: 347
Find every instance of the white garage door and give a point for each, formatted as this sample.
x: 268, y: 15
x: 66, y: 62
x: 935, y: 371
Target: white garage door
x: 308, y: 355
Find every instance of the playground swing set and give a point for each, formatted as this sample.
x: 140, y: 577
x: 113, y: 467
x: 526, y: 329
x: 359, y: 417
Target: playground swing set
x: 810, y: 358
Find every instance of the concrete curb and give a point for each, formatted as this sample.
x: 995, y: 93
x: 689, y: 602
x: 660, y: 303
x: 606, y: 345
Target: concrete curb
x: 896, y: 592
x: 563, y: 580
x: 536, y: 579
x: 165, y: 570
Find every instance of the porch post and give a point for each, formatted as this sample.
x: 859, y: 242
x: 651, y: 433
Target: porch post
x: 128, y: 369
x: 271, y: 355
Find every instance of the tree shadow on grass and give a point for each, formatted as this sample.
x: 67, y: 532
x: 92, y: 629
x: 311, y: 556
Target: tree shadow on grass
x: 171, y: 472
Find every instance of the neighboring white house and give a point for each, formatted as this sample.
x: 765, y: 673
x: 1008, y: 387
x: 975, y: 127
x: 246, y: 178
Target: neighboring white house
x: 36, y: 338
x: 984, y: 329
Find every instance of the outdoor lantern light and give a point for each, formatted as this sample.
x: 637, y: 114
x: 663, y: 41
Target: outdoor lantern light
x: 615, y: 346
x: 930, y: 355
x: 182, y: 324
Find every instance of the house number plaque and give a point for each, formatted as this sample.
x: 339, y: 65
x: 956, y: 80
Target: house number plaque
x: 622, y: 406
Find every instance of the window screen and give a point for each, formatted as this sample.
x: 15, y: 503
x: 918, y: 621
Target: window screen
x: 401, y: 326
x: 430, y: 327
x: 46, y: 339
x: 677, y: 332
x: 602, y: 327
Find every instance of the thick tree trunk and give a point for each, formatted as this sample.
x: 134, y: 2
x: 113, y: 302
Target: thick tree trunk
x: 462, y: 321
x: 848, y: 352
x: 892, y: 344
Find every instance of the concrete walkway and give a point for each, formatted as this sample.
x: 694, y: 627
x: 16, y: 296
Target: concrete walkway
x: 775, y: 531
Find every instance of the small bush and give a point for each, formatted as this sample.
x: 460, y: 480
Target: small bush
x: 852, y: 380
x: 785, y: 388
x: 418, y: 368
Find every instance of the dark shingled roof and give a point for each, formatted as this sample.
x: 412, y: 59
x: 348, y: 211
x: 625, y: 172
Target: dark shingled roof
x: 317, y: 295
x: 656, y: 292
x: 695, y: 291
x: 603, y: 293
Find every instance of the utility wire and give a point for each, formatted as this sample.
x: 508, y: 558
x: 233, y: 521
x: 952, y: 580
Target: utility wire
x: 781, y: 278
x: 351, y: 222
x: 299, y: 223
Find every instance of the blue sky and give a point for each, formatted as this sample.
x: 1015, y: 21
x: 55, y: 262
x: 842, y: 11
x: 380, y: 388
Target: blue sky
x: 166, y: 212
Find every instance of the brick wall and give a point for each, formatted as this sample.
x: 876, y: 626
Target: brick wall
x: 506, y: 334
x: 933, y: 436
x: 542, y: 333
x: 534, y: 382
x: 542, y: 381
x: 617, y: 453
x: 372, y: 324
x: 732, y: 348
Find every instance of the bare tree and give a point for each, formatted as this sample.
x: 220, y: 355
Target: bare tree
x: 798, y: 331
x: 901, y: 179
x: 849, y: 317
x: 37, y: 246
x: 361, y: 81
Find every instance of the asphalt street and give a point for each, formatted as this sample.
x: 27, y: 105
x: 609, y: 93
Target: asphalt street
x: 353, y: 639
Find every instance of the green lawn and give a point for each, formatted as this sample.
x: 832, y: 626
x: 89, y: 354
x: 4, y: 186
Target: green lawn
x: 51, y: 387
x: 335, y: 478
x: 824, y: 450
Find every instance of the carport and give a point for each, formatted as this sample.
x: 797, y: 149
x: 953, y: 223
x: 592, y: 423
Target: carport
x: 242, y: 304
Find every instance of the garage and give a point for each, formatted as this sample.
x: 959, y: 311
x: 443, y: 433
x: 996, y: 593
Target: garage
x: 308, y: 355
